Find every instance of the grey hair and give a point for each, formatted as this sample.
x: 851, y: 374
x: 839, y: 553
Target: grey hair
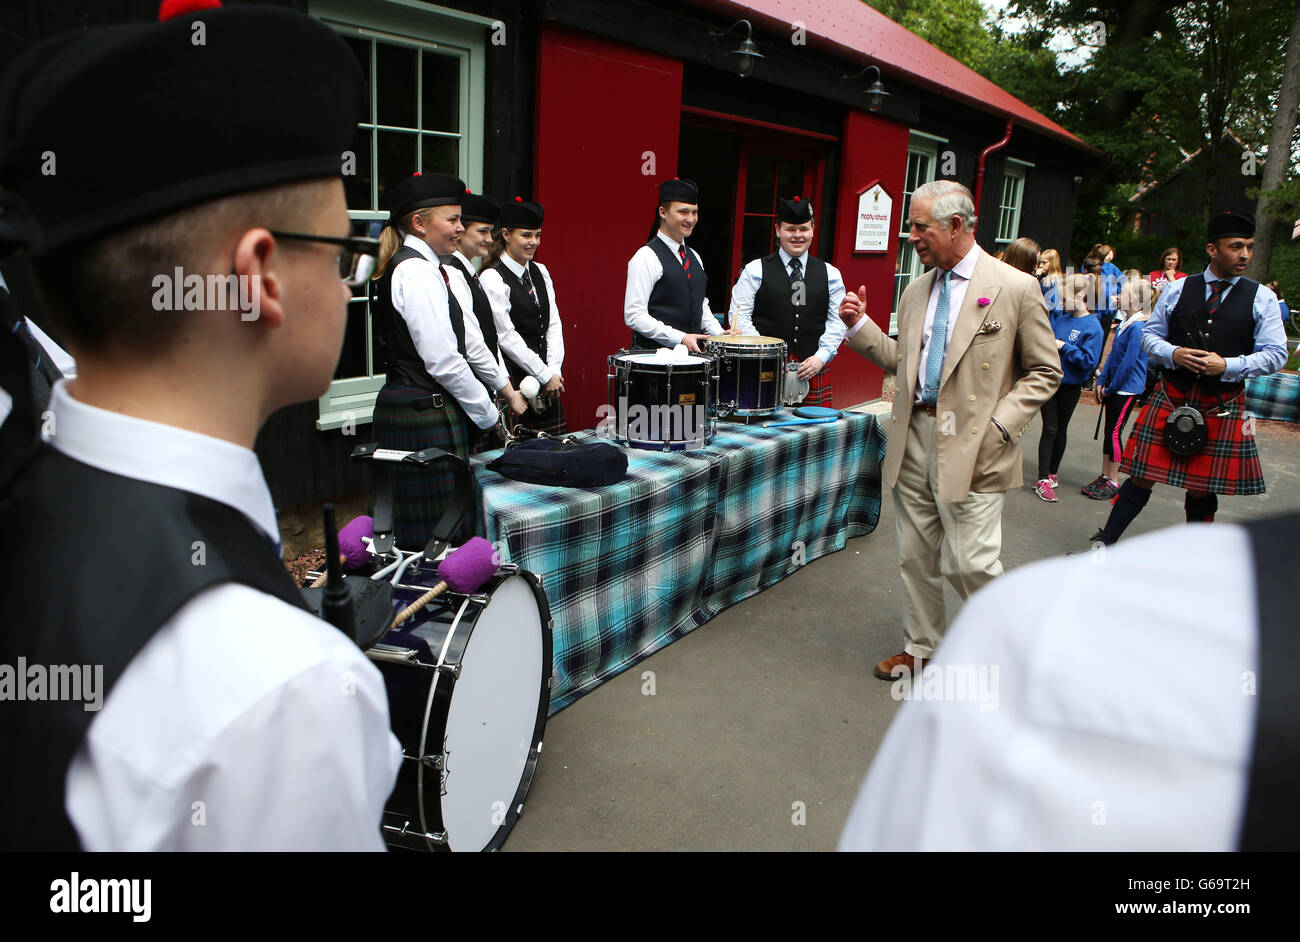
x: 950, y: 199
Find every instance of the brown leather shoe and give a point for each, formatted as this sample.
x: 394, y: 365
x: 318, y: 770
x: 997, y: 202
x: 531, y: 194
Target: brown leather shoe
x: 884, y: 670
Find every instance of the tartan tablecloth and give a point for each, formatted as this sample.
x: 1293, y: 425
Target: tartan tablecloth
x: 632, y: 567
x: 1275, y: 396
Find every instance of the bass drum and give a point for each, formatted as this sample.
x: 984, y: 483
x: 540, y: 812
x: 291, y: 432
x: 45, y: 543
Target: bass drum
x: 469, y: 684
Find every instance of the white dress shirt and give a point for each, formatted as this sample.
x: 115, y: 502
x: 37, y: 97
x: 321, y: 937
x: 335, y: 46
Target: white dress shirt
x: 508, y: 339
x: 959, y: 280
x: 486, y: 367
x: 244, y: 723
x: 643, y: 270
x: 1270, y: 353
x: 1122, y: 718
x: 741, y: 312
x: 420, y: 295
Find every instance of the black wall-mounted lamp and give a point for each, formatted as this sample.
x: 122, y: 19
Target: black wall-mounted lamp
x: 748, y: 52
x: 876, y: 93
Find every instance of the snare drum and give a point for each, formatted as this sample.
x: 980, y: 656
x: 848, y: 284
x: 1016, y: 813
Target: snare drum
x: 751, y: 373
x: 660, y: 404
x: 469, y: 686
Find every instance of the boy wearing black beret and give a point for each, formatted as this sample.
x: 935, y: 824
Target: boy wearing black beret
x: 178, y: 693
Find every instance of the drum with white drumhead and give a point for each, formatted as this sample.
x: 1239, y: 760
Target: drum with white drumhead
x: 662, y: 402
x: 469, y: 684
x: 751, y: 373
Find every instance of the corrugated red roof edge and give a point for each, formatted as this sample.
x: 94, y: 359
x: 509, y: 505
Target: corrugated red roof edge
x: 851, y: 29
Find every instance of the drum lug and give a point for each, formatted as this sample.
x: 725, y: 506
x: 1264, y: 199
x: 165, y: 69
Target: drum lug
x: 478, y: 598
x: 452, y: 669
x: 510, y: 568
x: 434, y: 761
x: 437, y: 837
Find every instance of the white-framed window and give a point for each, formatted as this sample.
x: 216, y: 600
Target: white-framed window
x: 424, y: 72
x: 1013, y: 191
x: 922, y: 159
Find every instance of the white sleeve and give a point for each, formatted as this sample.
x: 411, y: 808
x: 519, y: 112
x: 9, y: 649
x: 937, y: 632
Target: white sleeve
x: 643, y: 270
x: 742, y: 297
x: 708, y: 322
x: 201, y: 746
x: 485, y: 366
x: 833, y: 336
x: 420, y: 296
x: 554, y: 329
x: 508, y: 339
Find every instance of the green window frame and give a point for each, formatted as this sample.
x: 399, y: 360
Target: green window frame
x: 431, y: 38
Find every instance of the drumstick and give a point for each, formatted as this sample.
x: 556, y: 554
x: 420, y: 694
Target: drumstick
x: 463, y: 571
x: 353, y: 551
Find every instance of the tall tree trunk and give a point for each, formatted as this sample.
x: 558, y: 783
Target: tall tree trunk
x: 1279, y: 152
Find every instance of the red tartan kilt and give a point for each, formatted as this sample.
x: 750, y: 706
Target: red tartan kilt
x: 1229, y: 463
x: 819, y: 387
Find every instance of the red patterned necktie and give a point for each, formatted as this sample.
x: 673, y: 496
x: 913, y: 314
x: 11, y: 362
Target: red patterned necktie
x: 1216, y: 292
x: 528, y: 286
x: 686, y: 262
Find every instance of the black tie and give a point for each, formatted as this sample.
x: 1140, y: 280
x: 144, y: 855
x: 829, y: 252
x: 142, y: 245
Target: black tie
x: 528, y: 286
x: 796, y: 270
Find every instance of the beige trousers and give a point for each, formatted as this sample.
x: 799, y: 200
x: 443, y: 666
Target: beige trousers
x: 962, y: 540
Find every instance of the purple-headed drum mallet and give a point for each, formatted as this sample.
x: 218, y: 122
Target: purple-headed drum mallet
x: 354, y: 551
x: 464, y: 571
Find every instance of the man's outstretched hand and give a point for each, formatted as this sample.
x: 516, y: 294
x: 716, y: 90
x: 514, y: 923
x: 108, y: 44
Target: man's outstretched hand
x: 854, y: 307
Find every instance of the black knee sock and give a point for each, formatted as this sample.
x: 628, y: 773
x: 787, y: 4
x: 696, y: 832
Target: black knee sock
x: 1200, y: 509
x: 1128, y: 505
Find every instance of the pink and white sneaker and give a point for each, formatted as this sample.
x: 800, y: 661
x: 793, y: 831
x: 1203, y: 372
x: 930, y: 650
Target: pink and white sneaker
x: 1052, y: 480
x: 1045, y: 491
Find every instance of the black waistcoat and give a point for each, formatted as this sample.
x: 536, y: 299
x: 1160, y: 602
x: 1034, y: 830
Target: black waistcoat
x: 140, y: 569
x: 531, y: 318
x: 776, y: 314
x: 1231, y: 330
x: 676, y: 300
x: 482, y: 306
x: 402, y: 362
x: 1271, y: 820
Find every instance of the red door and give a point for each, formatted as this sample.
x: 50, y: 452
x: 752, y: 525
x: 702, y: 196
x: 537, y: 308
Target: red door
x: 607, y: 127
x: 764, y: 174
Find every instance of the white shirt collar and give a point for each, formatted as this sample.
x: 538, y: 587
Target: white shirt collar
x: 786, y: 257
x: 1211, y: 276
x: 675, y: 246
x: 511, y: 264
x: 463, y: 260
x: 965, y: 269
x: 163, y: 454
x: 424, y: 248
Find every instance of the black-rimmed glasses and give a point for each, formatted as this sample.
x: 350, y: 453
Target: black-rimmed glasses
x: 356, y: 260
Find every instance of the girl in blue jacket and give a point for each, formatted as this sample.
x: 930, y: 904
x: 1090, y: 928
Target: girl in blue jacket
x: 1121, y: 384
x: 1079, y: 339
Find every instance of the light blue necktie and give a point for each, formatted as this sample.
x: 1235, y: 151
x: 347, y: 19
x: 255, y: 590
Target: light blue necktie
x: 938, y: 345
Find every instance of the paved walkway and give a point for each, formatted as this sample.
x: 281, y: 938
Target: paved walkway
x: 769, y: 714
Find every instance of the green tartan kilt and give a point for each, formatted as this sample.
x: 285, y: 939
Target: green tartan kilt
x: 406, y: 419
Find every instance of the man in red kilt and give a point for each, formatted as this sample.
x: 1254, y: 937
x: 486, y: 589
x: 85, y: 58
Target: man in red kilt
x: 1209, y: 333
x: 796, y: 298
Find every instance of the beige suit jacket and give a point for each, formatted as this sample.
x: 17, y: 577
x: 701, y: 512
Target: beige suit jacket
x: 1004, y: 373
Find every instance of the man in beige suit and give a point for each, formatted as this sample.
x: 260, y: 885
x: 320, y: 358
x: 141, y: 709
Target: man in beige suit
x: 962, y: 402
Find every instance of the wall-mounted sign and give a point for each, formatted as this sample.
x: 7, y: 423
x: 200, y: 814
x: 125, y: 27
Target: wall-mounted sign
x: 873, y: 230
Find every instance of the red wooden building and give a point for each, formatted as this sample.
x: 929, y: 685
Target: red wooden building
x: 585, y: 105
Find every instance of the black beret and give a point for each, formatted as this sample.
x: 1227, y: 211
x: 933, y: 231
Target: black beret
x: 479, y: 208
x: 1230, y: 225
x: 520, y: 214
x: 421, y: 190
x: 795, y: 211
x: 107, y: 127
x: 679, y: 191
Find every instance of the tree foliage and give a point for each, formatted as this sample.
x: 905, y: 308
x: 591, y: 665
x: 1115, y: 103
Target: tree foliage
x: 1152, y: 81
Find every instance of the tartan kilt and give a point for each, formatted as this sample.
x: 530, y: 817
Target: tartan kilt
x: 406, y: 420
x: 819, y: 387
x: 1229, y: 463
x: 550, y: 420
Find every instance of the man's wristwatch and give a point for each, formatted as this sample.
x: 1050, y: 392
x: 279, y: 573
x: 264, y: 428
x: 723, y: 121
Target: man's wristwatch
x: 1005, y: 437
